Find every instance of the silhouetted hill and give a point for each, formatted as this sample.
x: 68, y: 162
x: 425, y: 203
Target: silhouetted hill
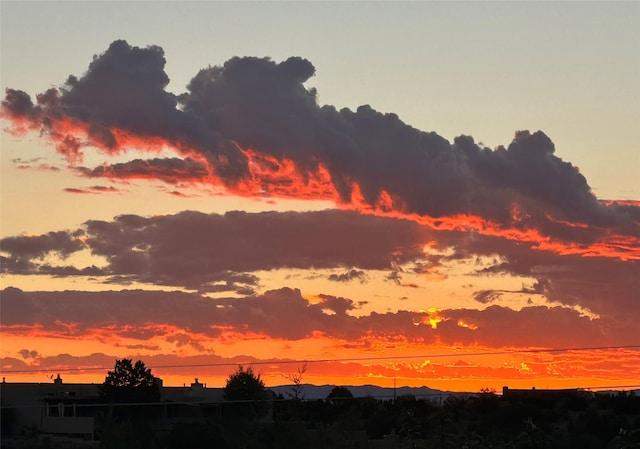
x: 322, y: 391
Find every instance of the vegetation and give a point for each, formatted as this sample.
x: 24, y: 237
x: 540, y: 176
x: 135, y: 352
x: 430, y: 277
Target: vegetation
x: 296, y: 378
x: 130, y: 390
x: 246, y: 394
x: 130, y: 383
x: 473, y: 421
x: 339, y: 392
x: 251, y: 417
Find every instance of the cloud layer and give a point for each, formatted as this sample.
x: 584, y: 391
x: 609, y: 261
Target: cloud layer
x: 286, y: 315
x: 192, y: 249
x: 252, y: 126
x: 412, y: 210
x: 217, y: 253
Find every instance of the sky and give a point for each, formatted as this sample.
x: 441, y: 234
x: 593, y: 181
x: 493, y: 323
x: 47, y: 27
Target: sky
x: 420, y: 193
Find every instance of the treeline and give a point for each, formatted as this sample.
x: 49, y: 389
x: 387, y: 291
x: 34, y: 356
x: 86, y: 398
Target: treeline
x: 471, y: 421
x: 468, y: 421
x: 475, y: 421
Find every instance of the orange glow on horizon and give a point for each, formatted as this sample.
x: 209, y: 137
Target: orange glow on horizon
x: 436, y: 366
x: 177, y: 356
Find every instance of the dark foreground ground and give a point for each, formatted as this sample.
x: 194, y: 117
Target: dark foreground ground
x: 580, y: 420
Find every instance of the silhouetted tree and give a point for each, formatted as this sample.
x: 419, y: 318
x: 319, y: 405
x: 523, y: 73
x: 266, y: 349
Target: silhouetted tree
x: 296, y: 378
x: 247, y: 393
x: 130, y: 383
x: 339, y: 392
x: 339, y: 399
x: 129, y: 389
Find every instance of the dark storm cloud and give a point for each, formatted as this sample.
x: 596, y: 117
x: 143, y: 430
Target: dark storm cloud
x: 214, y: 252
x: 280, y: 313
x: 598, y: 284
x: 349, y: 276
x: 33, y: 164
x: 533, y: 326
x: 604, y: 285
x: 92, y: 189
x: 285, y: 314
x: 190, y: 246
x: 540, y: 287
x: 123, y: 88
x: 264, y: 106
x: 218, y: 253
x: 18, y: 104
x: 28, y: 354
x: 61, y: 242
x: 25, y: 250
x: 170, y: 170
x: 486, y: 296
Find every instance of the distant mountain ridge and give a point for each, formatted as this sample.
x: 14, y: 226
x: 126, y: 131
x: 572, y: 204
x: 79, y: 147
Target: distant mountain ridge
x: 313, y: 392
x: 310, y: 391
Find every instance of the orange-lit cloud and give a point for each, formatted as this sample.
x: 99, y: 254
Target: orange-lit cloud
x: 458, y: 369
x: 275, y: 140
x: 224, y: 253
x: 158, y: 318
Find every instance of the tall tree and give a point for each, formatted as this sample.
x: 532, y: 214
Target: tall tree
x: 247, y: 393
x: 340, y: 392
x: 130, y: 383
x: 126, y: 389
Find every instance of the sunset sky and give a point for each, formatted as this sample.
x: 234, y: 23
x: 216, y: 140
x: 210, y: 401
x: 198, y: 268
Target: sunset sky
x: 432, y: 193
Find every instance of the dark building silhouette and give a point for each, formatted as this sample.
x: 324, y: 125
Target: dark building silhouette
x: 64, y: 409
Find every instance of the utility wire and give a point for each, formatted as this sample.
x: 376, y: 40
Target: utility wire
x: 339, y: 360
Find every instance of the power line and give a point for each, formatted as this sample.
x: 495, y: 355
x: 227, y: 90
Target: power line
x: 338, y: 360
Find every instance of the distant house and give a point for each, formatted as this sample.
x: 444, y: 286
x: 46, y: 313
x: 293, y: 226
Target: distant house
x: 540, y: 393
x: 191, y: 403
x: 52, y: 408
x: 65, y: 410
x: 62, y: 409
